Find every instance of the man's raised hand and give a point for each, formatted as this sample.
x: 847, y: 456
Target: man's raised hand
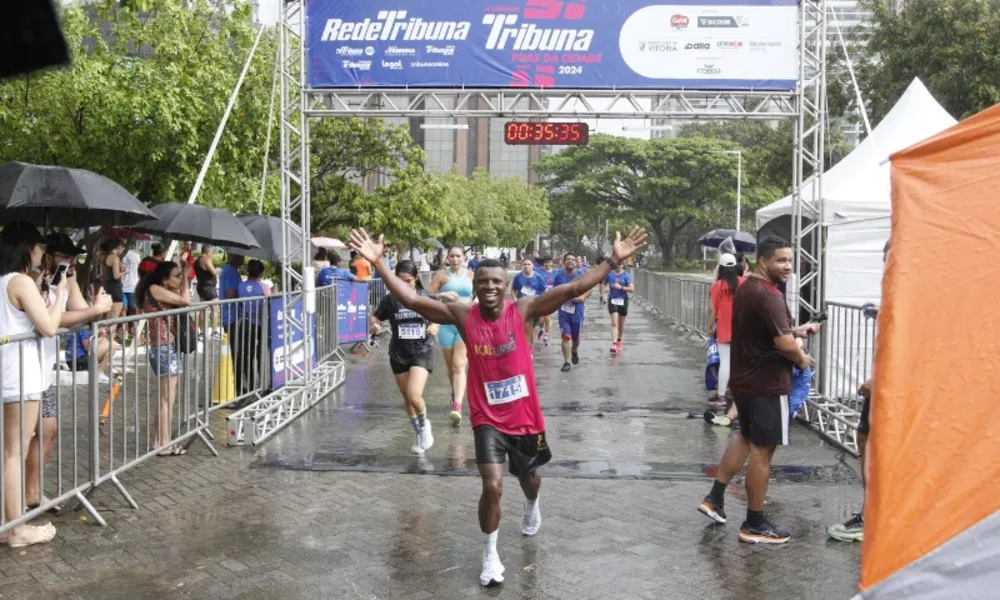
x: 624, y: 248
x: 363, y: 244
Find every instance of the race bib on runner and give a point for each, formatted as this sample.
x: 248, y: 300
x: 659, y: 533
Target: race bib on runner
x: 508, y: 390
x: 411, y: 331
x: 618, y: 301
x: 527, y: 291
x: 569, y: 309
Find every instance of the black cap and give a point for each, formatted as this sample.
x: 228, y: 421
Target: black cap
x: 60, y: 243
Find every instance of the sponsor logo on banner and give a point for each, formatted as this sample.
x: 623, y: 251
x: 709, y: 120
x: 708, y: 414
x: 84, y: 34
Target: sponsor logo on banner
x: 506, y: 34
x: 709, y: 69
x: 442, y: 50
x: 429, y: 64
x: 723, y: 22
x: 763, y: 46
x: 397, y: 51
x: 369, y: 51
x: 698, y: 46
x: 360, y: 65
x: 394, y: 25
x: 679, y: 22
x: 392, y: 65
x: 348, y: 51
x: 658, y: 46
x: 729, y: 45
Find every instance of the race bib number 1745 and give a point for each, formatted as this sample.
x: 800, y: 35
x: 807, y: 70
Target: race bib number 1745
x: 508, y: 390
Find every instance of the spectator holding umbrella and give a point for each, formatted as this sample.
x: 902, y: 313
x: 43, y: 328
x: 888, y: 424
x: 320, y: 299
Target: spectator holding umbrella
x: 251, y: 312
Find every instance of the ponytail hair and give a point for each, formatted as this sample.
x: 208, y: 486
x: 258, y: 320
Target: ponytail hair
x: 410, y: 268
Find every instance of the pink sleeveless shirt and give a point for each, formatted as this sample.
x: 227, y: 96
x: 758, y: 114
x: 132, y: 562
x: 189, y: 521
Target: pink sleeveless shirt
x: 501, y: 387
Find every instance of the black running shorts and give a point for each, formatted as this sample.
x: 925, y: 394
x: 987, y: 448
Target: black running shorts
x: 864, y: 426
x: 526, y: 452
x: 618, y: 309
x: 402, y: 364
x: 763, y: 419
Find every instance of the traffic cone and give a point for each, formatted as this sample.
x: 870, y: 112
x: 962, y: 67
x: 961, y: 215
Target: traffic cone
x: 116, y: 386
x: 224, y: 389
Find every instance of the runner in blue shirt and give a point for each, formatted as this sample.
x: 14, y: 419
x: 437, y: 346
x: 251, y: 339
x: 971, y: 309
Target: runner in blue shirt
x: 528, y: 283
x: 619, y: 284
x: 548, y: 275
x: 571, y: 314
x: 328, y: 275
x: 474, y: 262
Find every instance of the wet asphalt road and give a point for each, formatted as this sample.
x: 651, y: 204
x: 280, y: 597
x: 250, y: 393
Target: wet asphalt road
x: 336, y: 507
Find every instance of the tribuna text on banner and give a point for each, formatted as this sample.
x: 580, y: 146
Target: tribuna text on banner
x: 393, y: 25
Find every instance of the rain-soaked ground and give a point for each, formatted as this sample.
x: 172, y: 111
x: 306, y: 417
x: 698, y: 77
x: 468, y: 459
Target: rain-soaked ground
x: 336, y: 507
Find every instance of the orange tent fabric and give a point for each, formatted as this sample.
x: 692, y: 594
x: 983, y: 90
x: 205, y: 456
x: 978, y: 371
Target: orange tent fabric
x: 935, y: 442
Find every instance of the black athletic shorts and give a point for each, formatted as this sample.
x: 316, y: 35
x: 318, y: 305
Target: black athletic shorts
x: 114, y: 289
x: 207, y: 293
x: 402, y: 364
x: 864, y: 426
x: 763, y: 419
x: 618, y: 309
x: 526, y: 452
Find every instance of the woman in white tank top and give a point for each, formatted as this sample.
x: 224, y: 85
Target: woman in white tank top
x: 23, y: 311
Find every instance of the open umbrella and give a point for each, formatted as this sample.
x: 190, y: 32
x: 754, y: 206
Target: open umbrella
x: 268, y: 233
x: 743, y: 240
x: 198, y: 224
x: 61, y: 197
x: 328, y: 242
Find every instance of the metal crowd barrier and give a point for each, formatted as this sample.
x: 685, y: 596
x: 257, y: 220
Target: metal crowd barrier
x: 103, y: 402
x: 849, y: 343
x: 682, y: 301
x: 322, y: 366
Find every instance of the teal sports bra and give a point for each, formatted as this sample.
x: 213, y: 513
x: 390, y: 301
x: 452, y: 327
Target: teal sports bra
x: 458, y: 283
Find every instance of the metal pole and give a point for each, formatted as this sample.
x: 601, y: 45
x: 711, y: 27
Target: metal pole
x: 218, y: 133
x: 267, y: 142
x: 739, y: 187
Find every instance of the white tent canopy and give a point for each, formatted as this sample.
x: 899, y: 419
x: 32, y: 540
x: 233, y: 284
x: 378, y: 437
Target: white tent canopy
x: 857, y: 187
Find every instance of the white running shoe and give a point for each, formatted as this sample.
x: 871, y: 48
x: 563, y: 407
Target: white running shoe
x: 418, y: 445
x: 532, y: 521
x: 103, y: 378
x: 427, y: 438
x: 492, y: 569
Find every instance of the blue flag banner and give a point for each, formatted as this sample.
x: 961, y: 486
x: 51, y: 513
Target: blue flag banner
x: 352, y: 311
x: 294, y: 346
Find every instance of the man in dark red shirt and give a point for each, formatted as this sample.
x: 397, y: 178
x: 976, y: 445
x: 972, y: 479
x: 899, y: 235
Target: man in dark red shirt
x: 148, y: 264
x: 764, y: 348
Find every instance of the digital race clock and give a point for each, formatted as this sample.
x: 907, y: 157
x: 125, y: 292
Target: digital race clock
x: 556, y: 134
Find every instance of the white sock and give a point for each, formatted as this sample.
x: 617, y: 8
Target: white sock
x: 529, y: 505
x: 490, y: 541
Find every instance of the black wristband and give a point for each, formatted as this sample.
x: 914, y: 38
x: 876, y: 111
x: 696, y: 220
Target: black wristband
x: 612, y: 262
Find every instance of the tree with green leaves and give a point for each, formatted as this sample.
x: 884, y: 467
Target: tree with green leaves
x: 142, y: 97
x: 953, y: 46
x: 484, y: 210
x: 348, y: 154
x: 670, y: 183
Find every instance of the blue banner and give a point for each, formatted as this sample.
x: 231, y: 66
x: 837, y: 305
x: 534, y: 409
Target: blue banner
x: 352, y: 311
x: 295, y: 346
x: 568, y: 44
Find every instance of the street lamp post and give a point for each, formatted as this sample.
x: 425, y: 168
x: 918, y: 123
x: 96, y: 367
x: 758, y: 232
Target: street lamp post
x: 739, y: 181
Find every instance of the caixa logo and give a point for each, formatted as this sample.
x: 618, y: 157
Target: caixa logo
x: 679, y: 22
x: 550, y: 10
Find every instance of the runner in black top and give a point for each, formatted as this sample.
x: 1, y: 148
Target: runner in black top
x: 411, y: 353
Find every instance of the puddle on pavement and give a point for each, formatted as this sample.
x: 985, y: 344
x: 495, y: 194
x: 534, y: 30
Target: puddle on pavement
x: 570, y: 469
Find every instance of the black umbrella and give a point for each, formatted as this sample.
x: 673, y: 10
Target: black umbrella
x: 743, y: 240
x: 198, y: 223
x: 268, y: 233
x: 61, y: 197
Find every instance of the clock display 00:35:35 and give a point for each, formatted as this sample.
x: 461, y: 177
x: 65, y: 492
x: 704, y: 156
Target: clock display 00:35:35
x: 554, y: 133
